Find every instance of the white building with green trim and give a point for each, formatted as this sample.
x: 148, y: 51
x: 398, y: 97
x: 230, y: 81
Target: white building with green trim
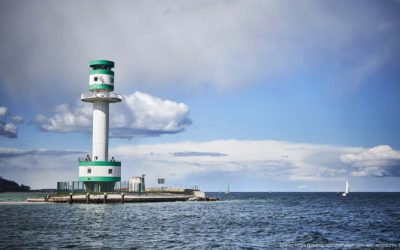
x: 98, y: 172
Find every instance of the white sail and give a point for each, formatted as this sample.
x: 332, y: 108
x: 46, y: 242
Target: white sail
x: 347, y: 189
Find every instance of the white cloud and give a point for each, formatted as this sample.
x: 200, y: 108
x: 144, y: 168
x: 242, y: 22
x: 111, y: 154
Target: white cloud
x: 66, y: 119
x: 17, y: 119
x: 372, y: 156
x: 154, y: 114
x: 139, y: 114
x: 381, y: 160
x: 7, y: 129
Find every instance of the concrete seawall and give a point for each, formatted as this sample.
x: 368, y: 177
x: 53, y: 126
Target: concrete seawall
x: 120, y: 198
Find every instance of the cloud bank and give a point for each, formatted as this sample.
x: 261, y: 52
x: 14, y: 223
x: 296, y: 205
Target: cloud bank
x: 139, y: 115
x: 13, y: 152
x: 297, y: 165
x: 39, y: 168
x: 264, y: 159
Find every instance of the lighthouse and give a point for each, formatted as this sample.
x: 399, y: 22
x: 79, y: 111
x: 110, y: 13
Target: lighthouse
x: 98, y: 172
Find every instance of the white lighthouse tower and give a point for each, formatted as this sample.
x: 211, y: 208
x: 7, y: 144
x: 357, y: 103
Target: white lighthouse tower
x: 99, y: 173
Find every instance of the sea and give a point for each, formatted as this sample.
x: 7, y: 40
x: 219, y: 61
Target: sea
x: 239, y: 221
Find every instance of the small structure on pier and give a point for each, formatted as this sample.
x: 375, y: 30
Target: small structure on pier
x: 136, y: 184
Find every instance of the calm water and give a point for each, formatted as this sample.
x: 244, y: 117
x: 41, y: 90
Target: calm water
x: 242, y: 220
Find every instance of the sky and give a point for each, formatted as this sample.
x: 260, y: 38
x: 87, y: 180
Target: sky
x: 261, y: 95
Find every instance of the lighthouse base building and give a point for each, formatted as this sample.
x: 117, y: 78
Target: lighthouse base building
x: 98, y: 172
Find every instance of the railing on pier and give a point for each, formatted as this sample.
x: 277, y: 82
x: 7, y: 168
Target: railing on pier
x: 171, y: 189
x: 79, y: 187
x: 102, y: 94
x: 87, y: 158
x: 122, y: 186
x: 70, y: 187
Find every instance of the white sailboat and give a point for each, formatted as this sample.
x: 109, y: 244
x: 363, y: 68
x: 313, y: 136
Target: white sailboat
x: 227, y: 190
x: 347, y: 189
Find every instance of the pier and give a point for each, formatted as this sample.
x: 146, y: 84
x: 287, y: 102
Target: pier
x: 120, y: 198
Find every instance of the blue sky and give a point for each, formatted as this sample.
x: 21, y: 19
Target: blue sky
x: 261, y: 95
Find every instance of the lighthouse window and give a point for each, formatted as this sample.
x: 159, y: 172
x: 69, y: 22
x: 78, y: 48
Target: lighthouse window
x: 112, y: 80
x: 89, y: 170
x: 110, y: 171
x: 95, y: 78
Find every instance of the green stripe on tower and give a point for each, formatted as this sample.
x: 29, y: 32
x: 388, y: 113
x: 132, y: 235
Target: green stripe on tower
x: 100, y: 178
x: 100, y: 163
x: 101, y: 71
x: 101, y: 86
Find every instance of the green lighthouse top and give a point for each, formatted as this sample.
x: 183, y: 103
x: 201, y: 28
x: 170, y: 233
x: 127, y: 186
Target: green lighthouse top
x: 107, y: 63
x: 101, y: 75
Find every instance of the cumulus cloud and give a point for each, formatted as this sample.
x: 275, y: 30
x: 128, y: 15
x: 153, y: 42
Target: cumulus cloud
x: 380, y: 161
x: 7, y: 129
x: 138, y: 115
x: 17, y: 119
x: 66, y: 119
x: 152, y: 115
